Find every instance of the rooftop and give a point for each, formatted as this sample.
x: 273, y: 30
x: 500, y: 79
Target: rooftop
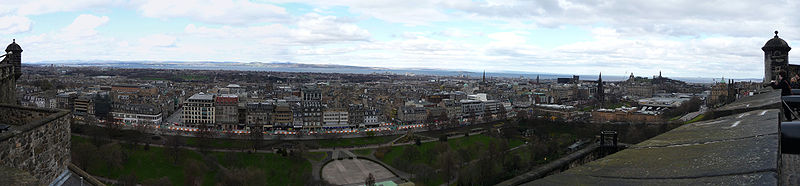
x: 202, y: 96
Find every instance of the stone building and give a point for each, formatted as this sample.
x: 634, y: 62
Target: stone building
x: 355, y: 115
x: 259, y: 115
x: 312, y: 107
x: 333, y: 118
x: 282, y: 117
x: 136, y: 114
x: 624, y: 115
x: 199, y: 110
x: 411, y: 115
x: 226, y: 111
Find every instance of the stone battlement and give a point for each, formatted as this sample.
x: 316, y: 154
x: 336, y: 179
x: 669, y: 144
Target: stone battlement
x: 6, y: 71
x: 7, y: 84
x: 37, y: 141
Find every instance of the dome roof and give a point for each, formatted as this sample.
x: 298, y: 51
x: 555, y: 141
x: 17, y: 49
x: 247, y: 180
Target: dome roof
x: 776, y: 43
x: 13, y: 46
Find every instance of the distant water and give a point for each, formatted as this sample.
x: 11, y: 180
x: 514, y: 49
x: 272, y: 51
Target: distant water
x: 364, y: 70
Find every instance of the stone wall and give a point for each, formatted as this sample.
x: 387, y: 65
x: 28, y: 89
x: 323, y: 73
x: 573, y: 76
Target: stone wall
x: 7, y: 84
x: 38, y: 142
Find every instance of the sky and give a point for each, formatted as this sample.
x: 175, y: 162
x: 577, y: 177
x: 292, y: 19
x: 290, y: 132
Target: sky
x: 616, y: 37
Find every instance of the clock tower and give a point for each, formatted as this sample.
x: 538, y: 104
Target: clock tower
x: 776, y: 57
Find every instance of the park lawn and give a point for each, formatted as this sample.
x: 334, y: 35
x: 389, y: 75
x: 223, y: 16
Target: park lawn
x: 436, y: 180
x: 279, y: 170
x: 221, y: 143
x: 696, y: 119
x: 148, y: 164
x: 352, y: 142
x: 316, y: 156
x: 363, y: 152
x: 428, y: 150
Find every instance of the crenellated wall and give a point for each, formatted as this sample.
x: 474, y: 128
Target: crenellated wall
x: 37, y: 143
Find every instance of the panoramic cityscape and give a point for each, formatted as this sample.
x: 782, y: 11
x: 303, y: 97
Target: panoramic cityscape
x: 239, y: 92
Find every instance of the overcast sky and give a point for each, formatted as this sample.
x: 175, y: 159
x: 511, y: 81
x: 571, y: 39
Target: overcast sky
x: 681, y: 38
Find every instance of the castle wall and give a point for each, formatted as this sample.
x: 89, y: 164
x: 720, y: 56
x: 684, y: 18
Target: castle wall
x: 7, y: 84
x: 38, y: 141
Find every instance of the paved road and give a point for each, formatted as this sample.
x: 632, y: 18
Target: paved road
x: 175, y: 117
x: 694, y: 114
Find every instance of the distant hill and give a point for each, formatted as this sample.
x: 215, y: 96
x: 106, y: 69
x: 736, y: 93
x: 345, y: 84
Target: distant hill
x: 333, y: 68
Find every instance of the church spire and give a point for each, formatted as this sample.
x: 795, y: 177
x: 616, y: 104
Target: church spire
x: 484, y: 76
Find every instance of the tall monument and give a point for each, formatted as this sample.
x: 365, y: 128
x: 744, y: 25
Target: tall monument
x: 776, y: 57
x: 601, y: 95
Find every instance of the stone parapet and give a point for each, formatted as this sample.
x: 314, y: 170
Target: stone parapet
x: 38, y: 141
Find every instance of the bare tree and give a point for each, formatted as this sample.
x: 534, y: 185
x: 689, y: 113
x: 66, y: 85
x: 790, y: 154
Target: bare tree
x: 163, y: 181
x: 256, y: 137
x: 128, y: 180
x: 204, y: 138
x: 243, y: 176
x: 193, y: 172
x: 447, y: 164
x: 173, y: 150
x: 113, y: 155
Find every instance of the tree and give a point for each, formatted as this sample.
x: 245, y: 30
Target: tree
x: 163, y: 181
x: 243, y: 176
x: 256, y: 136
x: 411, y: 153
x: 128, y: 180
x: 370, y: 181
x: 173, y: 150
x: 205, y: 137
x: 83, y: 153
x: 113, y: 155
x: 99, y: 136
x: 447, y: 164
x: 193, y: 172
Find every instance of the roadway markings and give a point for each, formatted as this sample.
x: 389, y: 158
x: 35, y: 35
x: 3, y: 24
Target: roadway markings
x: 743, y: 115
x: 735, y: 124
x: 763, y: 112
x: 710, y: 123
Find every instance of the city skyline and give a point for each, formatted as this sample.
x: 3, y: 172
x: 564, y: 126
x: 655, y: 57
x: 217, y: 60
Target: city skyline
x: 682, y: 39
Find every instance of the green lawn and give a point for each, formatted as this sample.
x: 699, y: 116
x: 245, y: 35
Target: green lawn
x: 278, y: 170
x: 154, y: 164
x: 428, y: 152
x: 221, y: 143
x: 317, y: 156
x: 351, y: 142
x: 147, y: 164
x: 696, y: 119
x: 363, y: 152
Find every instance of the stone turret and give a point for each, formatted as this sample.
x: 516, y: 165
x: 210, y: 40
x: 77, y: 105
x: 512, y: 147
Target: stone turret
x: 14, y: 55
x: 776, y: 57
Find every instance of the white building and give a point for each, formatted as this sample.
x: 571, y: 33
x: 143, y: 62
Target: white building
x: 199, y: 110
x: 334, y: 118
